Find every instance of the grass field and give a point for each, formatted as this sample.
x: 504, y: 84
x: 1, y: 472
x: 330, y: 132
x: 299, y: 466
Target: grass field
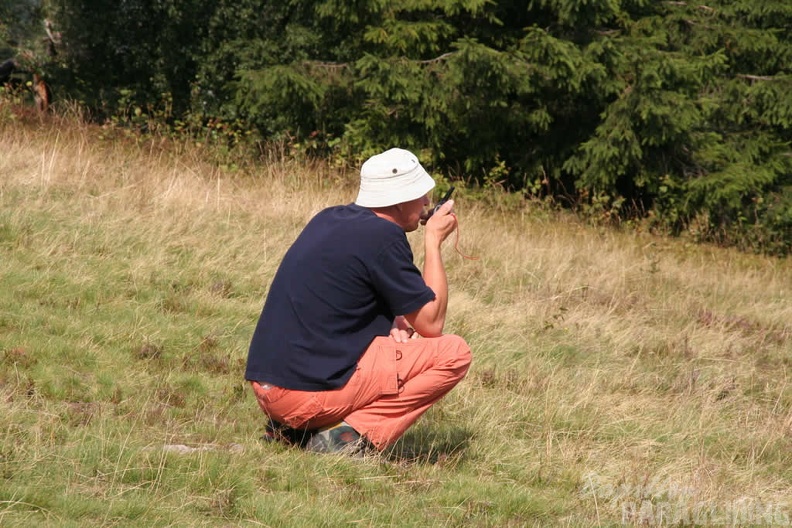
x: 618, y: 378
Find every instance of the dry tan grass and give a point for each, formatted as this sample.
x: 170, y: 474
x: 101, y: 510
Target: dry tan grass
x: 620, y: 364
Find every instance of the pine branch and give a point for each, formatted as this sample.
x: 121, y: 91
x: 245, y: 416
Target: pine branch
x: 702, y: 7
x: 756, y: 77
x: 326, y: 65
x: 340, y: 65
x: 437, y: 59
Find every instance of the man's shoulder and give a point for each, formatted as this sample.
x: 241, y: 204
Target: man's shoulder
x: 356, y: 218
x: 352, y: 229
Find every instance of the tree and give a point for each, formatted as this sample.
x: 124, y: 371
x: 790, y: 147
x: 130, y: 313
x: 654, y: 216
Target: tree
x: 700, y: 127
x: 673, y: 109
x: 141, y: 52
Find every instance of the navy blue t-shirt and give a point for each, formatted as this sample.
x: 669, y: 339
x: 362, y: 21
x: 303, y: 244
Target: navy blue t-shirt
x: 340, y: 285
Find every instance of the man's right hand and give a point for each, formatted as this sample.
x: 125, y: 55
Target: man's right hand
x: 442, y: 223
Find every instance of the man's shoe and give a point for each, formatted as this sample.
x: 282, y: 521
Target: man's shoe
x: 340, y: 438
x: 277, y: 432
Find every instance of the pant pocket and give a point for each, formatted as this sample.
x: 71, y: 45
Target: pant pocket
x: 267, y: 394
x: 297, y: 417
x: 388, y: 372
x: 377, y: 374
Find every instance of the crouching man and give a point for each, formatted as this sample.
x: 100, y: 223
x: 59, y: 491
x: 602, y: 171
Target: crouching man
x: 349, y: 349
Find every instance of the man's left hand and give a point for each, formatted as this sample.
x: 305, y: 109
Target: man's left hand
x: 401, y: 331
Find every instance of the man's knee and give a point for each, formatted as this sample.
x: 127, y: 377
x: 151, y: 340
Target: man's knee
x: 457, y: 351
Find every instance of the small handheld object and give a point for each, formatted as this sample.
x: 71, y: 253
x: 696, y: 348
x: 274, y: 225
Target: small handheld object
x: 443, y: 200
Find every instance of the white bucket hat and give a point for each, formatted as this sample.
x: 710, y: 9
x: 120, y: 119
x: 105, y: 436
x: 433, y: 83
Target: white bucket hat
x: 391, y: 178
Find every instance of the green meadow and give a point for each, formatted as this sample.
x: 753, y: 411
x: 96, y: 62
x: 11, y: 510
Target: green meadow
x: 619, y: 378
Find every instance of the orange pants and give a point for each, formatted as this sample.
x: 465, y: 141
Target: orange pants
x: 394, y: 384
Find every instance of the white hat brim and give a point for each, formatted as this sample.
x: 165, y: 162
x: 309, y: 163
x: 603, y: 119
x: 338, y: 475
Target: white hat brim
x: 384, y: 180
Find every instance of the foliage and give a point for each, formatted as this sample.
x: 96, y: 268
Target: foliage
x: 701, y: 126
x: 22, y: 35
x: 18, y: 22
x: 676, y: 110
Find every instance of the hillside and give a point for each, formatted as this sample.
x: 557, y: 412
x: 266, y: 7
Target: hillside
x: 617, y: 377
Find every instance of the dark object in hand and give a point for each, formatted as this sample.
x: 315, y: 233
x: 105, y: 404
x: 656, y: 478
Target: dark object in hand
x: 443, y: 200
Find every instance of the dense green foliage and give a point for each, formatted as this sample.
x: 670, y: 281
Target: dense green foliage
x: 21, y: 30
x: 676, y: 111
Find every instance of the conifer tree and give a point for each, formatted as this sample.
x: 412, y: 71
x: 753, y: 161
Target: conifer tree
x: 677, y: 109
x: 699, y: 129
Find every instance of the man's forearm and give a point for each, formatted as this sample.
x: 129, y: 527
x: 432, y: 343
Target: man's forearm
x: 432, y: 316
x: 429, y: 320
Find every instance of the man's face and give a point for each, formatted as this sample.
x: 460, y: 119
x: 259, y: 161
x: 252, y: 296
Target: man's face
x: 411, y: 212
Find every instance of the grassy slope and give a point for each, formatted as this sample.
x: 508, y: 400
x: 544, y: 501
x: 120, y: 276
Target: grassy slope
x: 616, y: 376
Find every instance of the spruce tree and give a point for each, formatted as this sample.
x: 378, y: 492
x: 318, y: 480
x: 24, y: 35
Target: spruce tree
x: 677, y: 110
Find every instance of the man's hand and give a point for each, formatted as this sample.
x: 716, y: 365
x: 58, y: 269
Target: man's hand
x: 441, y: 224
x: 401, y: 331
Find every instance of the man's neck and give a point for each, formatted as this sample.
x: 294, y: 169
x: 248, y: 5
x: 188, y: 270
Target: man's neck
x: 392, y: 213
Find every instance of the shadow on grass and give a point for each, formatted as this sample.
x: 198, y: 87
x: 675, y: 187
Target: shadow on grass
x: 426, y: 446
x: 419, y: 446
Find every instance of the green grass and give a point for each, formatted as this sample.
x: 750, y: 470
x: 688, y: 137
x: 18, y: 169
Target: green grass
x: 617, y: 376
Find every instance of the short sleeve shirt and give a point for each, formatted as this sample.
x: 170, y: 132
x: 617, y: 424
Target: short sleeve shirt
x: 340, y: 285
